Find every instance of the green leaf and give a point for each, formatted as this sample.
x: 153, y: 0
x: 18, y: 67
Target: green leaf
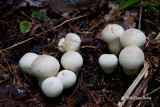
x: 149, y: 27
x: 120, y: 1
x: 25, y: 26
x: 128, y: 4
x: 38, y: 15
x: 152, y: 91
x: 147, y: 4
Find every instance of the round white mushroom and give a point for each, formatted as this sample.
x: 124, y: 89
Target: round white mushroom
x: 26, y: 61
x: 131, y: 58
x: 111, y: 34
x: 133, y: 37
x: 60, y: 45
x: 71, y: 42
x: 68, y: 78
x: 72, y: 61
x: 52, y: 87
x: 108, y: 62
x: 45, y: 66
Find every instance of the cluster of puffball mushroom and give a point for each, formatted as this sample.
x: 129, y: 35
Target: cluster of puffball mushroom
x: 127, y: 44
x: 46, y: 68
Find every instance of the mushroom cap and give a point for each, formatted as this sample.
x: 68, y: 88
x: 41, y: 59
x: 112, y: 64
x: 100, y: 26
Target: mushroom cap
x: 131, y: 58
x: 52, y: 87
x: 68, y: 78
x: 111, y: 32
x: 60, y: 45
x: 26, y: 61
x: 133, y: 37
x: 73, y: 37
x: 45, y: 66
x: 72, y: 61
x: 71, y: 42
x: 108, y: 62
x: 71, y: 46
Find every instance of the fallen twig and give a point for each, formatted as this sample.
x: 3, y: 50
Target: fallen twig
x: 138, y: 90
x: 44, y: 32
x: 133, y: 85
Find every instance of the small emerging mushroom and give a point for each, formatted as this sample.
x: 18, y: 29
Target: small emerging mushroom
x: 26, y: 61
x: 68, y: 78
x: 133, y: 37
x: 131, y: 58
x: 71, y: 42
x: 52, y: 87
x: 72, y: 61
x: 111, y: 35
x: 108, y: 62
x: 45, y: 66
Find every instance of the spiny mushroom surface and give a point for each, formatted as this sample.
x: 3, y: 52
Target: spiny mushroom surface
x: 72, y: 61
x: 111, y: 34
x: 68, y: 78
x: 71, y: 42
x: 108, y: 62
x: 131, y: 58
x: 26, y: 61
x: 133, y: 37
x: 52, y: 87
x: 45, y: 66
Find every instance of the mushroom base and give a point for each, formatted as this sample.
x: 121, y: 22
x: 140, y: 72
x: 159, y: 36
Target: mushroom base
x: 115, y: 47
x: 130, y: 72
x: 109, y: 71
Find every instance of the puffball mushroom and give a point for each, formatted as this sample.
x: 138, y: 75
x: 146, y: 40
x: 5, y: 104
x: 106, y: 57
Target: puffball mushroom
x: 60, y: 45
x: 52, y: 87
x: 111, y: 34
x: 67, y: 77
x: 26, y: 61
x: 133, y: 37
x: 45, y: 66
x: 131, y: 58
x: 108, y: 62
x: 71, y: 42
x: 72, y: 61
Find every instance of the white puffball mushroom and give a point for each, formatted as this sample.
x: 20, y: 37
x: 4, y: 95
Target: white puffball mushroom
x: 133, y: 37
x: 111, y: 35
x: 71, y: 42
x: 45, y: 66
x: 108, y: 62
x: 72, y: 61
x: 131, y: 58
x: 26, y: 61
x: 68, y: 78
x: 60, y: 45
x: 52, y: 87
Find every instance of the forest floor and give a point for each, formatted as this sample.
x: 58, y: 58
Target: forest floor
x: 87, y: 19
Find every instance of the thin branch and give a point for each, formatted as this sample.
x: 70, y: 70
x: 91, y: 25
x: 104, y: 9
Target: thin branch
x: 133, y: 85
x: 45, y: 32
